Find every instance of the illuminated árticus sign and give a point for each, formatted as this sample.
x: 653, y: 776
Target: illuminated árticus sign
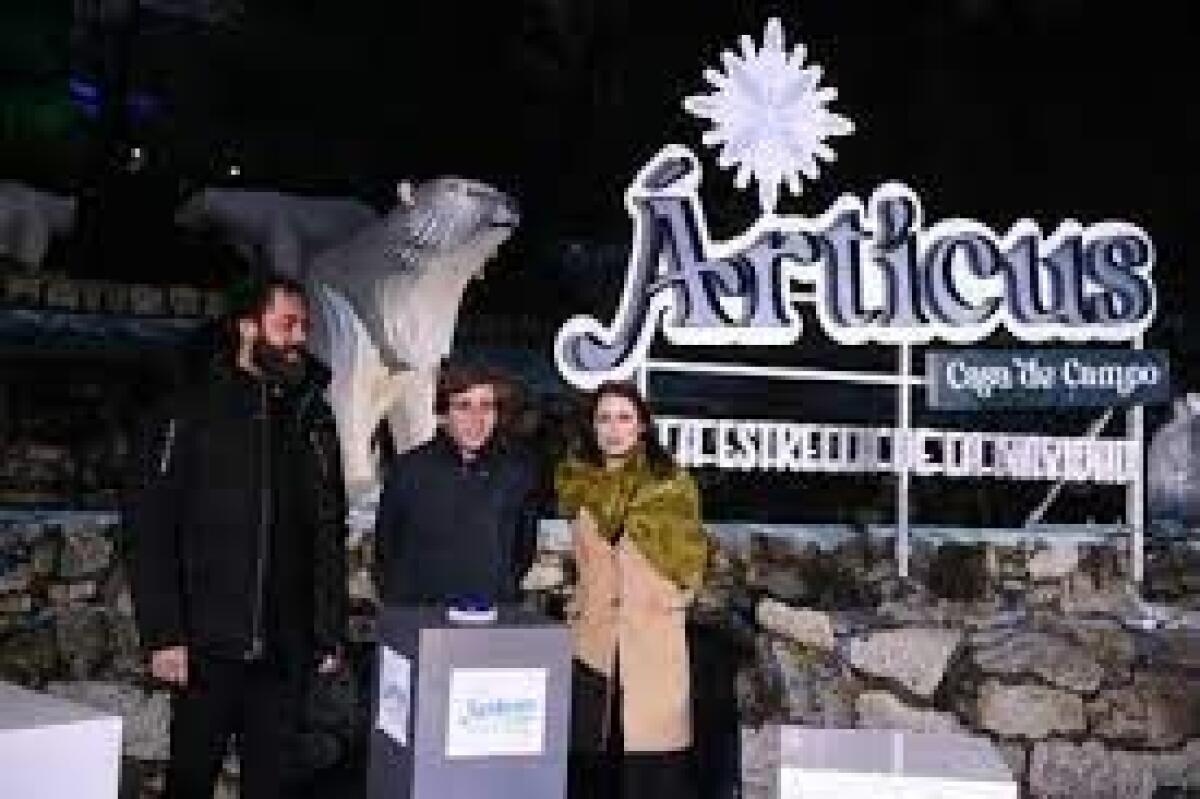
x: 873, y: 271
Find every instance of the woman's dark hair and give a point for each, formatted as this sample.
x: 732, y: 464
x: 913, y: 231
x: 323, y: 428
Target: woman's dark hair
x: 657, y: 457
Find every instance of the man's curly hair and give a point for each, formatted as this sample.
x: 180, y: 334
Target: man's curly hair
x: 456, y: 377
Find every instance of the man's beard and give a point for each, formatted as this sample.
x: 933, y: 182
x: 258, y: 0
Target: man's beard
x: 281, y: 365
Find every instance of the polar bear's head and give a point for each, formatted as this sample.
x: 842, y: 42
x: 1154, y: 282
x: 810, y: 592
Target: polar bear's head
x: 405, y: 276
x: 450, y: 214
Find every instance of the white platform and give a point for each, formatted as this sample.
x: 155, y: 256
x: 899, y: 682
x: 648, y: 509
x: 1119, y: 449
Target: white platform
x: 887, y: 764
x: 53, y: 749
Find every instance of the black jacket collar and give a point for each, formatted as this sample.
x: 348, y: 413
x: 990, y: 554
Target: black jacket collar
x: 444, y: 447
x: 304, y: 395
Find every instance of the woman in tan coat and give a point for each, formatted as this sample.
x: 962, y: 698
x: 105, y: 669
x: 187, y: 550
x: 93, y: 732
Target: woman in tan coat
x: 640, y: 553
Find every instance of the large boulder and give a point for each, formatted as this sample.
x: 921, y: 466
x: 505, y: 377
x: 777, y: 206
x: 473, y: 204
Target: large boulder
x: 1062, y: 770
x: 883, y: 711
x: 1053, y: 659
x: 915, y: 658
x: 1029, y: 711
x: 809, y: 628
x: 1158, y: 710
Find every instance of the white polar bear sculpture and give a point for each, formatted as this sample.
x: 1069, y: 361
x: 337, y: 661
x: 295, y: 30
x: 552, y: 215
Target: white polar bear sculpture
x: 29, y: 218
x: 385, y: 297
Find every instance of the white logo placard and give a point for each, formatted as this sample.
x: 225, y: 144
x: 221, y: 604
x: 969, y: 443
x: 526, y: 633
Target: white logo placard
x: 498, y: 712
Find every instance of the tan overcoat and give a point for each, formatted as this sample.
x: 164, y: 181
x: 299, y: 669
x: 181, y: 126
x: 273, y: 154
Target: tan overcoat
x: 640, y: 553
x: 624, y: 605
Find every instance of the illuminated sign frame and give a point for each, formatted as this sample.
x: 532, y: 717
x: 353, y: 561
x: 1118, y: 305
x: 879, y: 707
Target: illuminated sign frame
x: 875, y: 276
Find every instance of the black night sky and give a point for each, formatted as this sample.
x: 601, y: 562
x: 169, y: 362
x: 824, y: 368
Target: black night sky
x: 993, y: 110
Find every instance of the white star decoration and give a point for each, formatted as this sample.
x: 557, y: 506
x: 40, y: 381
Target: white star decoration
x: 769, y: 116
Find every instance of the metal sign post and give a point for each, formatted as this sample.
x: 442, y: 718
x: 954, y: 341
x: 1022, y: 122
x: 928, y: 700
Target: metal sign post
x: 904, y: 397
x: 1135, y: 492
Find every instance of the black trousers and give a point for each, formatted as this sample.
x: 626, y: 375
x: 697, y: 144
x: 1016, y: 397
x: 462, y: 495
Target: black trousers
x: 632, y: 775
x: 258, y: 704
x: 612, y: 773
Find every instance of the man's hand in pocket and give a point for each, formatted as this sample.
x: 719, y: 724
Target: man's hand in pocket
x: 170, y: 665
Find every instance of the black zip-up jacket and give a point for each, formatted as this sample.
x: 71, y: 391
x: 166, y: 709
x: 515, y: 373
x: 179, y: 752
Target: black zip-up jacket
x: 448, y: 528
x: 236, y: 522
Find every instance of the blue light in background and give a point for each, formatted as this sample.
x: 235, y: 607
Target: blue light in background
x: 88, y: 97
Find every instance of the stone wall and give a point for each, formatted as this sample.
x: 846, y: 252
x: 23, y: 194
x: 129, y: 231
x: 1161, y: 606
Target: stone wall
x: 66, y: 627
x: 1085, y: 690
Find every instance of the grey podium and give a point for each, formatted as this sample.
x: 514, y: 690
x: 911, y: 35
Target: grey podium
x: 469, y: 709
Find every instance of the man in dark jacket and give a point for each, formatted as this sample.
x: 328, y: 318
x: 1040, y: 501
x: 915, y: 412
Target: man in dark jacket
x: 237, y: 549
x: 456, y: 517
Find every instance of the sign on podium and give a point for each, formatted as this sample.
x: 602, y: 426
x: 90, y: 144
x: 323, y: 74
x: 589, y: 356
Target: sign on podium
x: 470, y: 708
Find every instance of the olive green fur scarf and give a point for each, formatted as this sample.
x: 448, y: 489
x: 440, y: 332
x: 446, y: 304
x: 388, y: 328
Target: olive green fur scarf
x: 660, y: 515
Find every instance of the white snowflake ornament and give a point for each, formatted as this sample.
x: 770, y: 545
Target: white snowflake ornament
x: 769, y: 116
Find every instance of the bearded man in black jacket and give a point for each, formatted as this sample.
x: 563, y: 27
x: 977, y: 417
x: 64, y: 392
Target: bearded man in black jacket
x: 236, y: 518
